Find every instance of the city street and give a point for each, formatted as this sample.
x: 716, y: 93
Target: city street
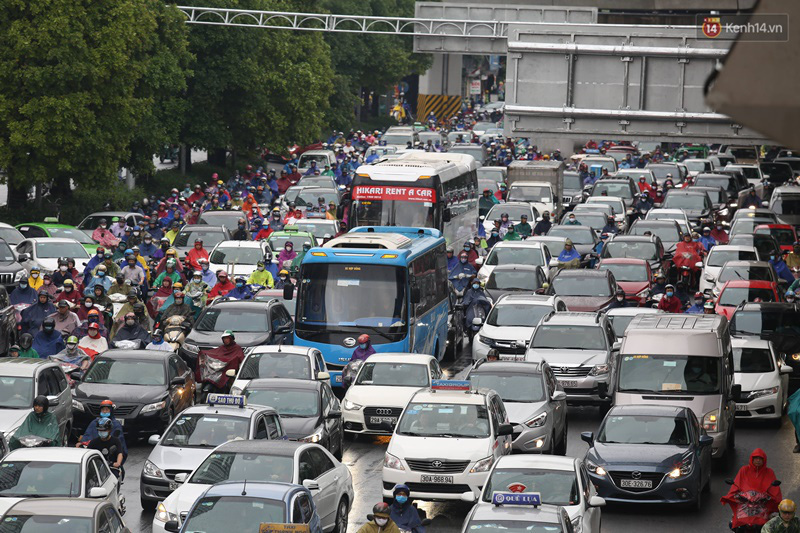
x: 364, y: 457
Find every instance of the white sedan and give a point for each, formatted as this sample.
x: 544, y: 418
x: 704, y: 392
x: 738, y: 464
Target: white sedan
x: 310, y: 465
x: 515, y: 253
x: 238, y: 258
x: 716, y: 259
x: 43, y: 253
x: 764, y: 379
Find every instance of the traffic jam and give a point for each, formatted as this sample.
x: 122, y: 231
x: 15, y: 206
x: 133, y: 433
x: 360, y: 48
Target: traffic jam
x: 228, y: 355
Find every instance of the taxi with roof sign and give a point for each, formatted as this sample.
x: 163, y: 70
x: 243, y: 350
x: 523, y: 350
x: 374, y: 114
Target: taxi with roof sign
x: 446, y: 441
x: 194, y: 433
x: 511, y: 511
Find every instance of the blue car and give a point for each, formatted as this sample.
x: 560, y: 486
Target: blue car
x: 650, y: 454
x: 243, y: 506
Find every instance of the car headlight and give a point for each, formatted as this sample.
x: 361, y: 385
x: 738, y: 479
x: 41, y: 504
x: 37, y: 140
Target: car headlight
x: 684, y: 468
x: 796, y: 357
x: 314, y: 437
x: 78, y: 406
x: 732, y: 204
x: 236, y: 391
x: 483, y: 465
x: 486, y: 340
x: 154, y: 407
x: 22, y: 274
x: 595, y: 469
x: 599, y: 370
x: 537, y: 421
x: 577, y: 524
x: 390, y: 461
x: 644, y: 293
x: 711, y: 420
x: 723, y: 212
x: 162, y: 515
x: 191, y: 348
x: 151, y: 470
x: 762, y: 392
x: 350, y: 406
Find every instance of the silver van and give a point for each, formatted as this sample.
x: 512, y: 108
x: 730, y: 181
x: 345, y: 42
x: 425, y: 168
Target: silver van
x: 681, y: 360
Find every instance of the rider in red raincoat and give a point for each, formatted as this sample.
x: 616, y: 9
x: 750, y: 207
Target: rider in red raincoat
x: 756, y: 477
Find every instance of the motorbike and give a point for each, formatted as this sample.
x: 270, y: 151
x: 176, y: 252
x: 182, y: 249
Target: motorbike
x: 71, y: 367
x: 129, y: 344
x: 35, y: 441
x: 350, y: 371
x: 175, y: 330
x: 117, y: 301
x: 213, y: 375
x: 475, y: 315
x: 687, y: 269
x: 750, y: 509
x: 425, y: 522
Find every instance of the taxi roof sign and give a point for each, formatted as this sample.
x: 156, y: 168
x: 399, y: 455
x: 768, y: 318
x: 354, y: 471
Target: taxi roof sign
x: 226, y: 399
x: 533, y: 499
x: 449, y: 384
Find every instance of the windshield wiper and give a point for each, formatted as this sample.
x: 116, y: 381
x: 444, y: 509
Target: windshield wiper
x: 647, y: 391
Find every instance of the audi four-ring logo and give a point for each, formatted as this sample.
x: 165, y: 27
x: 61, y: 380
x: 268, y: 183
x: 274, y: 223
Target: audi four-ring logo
x: 383, y: 411
x: 436, y: 464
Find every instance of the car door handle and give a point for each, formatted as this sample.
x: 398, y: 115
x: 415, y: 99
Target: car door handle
x: 336, y: 478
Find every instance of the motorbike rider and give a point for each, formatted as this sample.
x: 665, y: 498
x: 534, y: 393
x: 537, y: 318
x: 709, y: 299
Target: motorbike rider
x: 93, y: 343
x: 178, y: 307
x: 100, y: 278
x: 569, y: 257
x: 171, y: 272
x: 380, y: 520
x: 102, y: 235
x: 707, y: 240
x: 643, y: 204
x: 299, y: 257
x: 34, y: 315
x: 751, y: 200
x: 261, y: 232
x: 241, y: 233
x: 107, y: 444
x: 544, y: 225
x: 196, y: 289
x: 23, y: 293
x: 158, y: 342
x: 780, y: 267
x: 669, y: 302
x: 462, y: 273
x: 229, y: 353
x: 131, y: 330
x: 403, y: 513
x: 619, y: 300
x: 241, y: 291
x: 610, y: 227
x: 364, y: 348
x: 756, y: 477
x: 106, y: 414
x: 261, y: 276
x: 48, y: 341
x: 68, y: 293
x: 287, y: 254
x: 195, y: 254
x: 65, y: 320
x: 284, y: 280
x: 72, y: 354
x: 786, y: 521
x: 26, y: 350
x: 39, y: 422
x: 697, y: 307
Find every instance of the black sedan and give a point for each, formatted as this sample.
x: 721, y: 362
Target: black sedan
x: 309, y: 411
x: 147, y: 387
x: 650, y: 454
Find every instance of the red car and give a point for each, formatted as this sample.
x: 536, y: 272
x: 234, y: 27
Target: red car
x: 739, y: 291
x: 783, y: 233
x: 634, y: 276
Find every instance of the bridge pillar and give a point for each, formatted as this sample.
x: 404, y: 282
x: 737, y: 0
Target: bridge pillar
x: 440, y: 88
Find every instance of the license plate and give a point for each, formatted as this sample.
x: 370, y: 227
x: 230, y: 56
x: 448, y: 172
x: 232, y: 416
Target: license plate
x: 740, y: 407
x: 569, y: 383
x: 636, y: 484
x: 437, y: 479
x: 173, y: 485
x: 381, y: 419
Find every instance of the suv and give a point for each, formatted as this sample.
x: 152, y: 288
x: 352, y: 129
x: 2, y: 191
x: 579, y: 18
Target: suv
x: 24, y: 379
x: 253, y: 324
x: 581, y: 349
x: 535, y: 402
x: 785, y: 202
x: 511, y: 322
x: 585, y: 289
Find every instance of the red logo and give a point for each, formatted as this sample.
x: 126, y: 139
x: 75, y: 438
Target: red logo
x: 712, y: 27
x: 517, y: 488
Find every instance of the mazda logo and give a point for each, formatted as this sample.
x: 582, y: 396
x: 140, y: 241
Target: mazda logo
x: 349, y: 342
x: 383, y: 411
x: 636, y: 475
x: 437, y: 464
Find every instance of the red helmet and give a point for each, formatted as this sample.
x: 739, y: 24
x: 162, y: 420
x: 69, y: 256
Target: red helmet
x: 363, y: 339
x: 107, y: 403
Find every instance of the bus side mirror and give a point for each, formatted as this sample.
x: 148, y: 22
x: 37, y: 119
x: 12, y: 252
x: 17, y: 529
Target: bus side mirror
x: 446, y: 214
x: 288, y: 292
x: 415, y: 295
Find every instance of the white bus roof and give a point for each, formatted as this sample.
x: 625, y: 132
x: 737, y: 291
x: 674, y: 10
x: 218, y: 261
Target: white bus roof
x: 410, y: 166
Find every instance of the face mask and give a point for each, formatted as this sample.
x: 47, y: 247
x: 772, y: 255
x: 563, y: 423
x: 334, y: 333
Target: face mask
x: 103, y: 434
x: 148, y: 241
x: 261, y: 268
x: 463, y: 260
x: 620, y: 298
x: 34, y: 275
x: 71, y: 348
x: 130, y: 322
x: 205, y: 267
x: 241, y: 226
x: 178, y: 301
x: 363, y: 345
x: 23, y: 285
x: 157, y: 340
x: 381, y: 521
x: 772, y: 258
x: 283, y: 278
x: 105, y: 415
x: 240, y: 284
x: 466, y: 248
x: 197, y: 280
x: 476, y: 286
x: 63, y: 268
x: 572, y: 219
x: 48, y: 328
x: 670, y: 293
x: 88, y: 304
x: 401, y: 499
x: 101, y: 274
x: 67, y: 288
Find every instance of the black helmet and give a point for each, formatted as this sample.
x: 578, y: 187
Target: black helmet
x: 620, y: 292
x: 42, y: 402
x: 158, y: 333
x: 26, y: 341
x: 63, y: 261
x: 49, y: 324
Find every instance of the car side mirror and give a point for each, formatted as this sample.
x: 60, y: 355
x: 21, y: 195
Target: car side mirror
x: 446, y: 215
x: 333, y: 415
x: 310, y: 484
x: 21, y: 258
x: 323, y: 376
x: 172, y: 526
x: 288, y: 292
x: 180, y: 381
x: 479, y: 261
x: 736, y: 392
x: 477, y: 321
x: 786, y: 369
x: 559, y: 396
x: 765, y: 203
x: 181, y: 478
x: 98, y: 492
x: 588, y: 437
x: 699, y: 264
x: 553, y: 263
x: 231, y: 373
x: 597, y: 501
x: 52, y: 401
x: 153, y: 440
x: 706, y: 440
x: 616, y: 346
x: 505, y: 429
x: 416, y: 295
x: 283, y: 330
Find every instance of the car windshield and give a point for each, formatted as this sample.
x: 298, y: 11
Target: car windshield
x: 53, y: 250
x: 126, y: 372
x: 515, y: 255
x: 92, y: 222
x: 519, y: 315
x: 589, y: 219
x: 696, y: 202
x: 786, y: 204
x: 713, y: 181
x: 512, y: 388
x: 753, y: 360
x: 746, y: 273
x: 641, y: 429
x: 777, y: 172
x: 394, y: 375
x: 442, y: 420
x: 784, y: 236
x: 608, y: 165
x: 529, y: 193
x: 233, y: 466
x: 397, y: 139
x: 696, y: 165
x: 568, y: 338
x: 218, y: 513
x: 317, y: 181
x: 743, y: 153
x: 717, y: 258
x: 6, y: 255
x: 513, y: 526
x: 620, y: 323
x: 378, y: 212
x: 745, y: 225
x: 513, y: 280
x: 70, y: 233
x: 278, y: 241
x: 236, y: 255
x: 229, y: 219
x: 667, y: 233
x: 717, y: 196
x: 578, y: 235
x: 301, y: 403
x: 310, y: 197
x: 38, y: 479
x: 11, y: 235
x: 219, y: 319
x: 621, y: 190
x: 306, y: 159
x: 475, y: 151
x: 515, y: 212
x: 205, y: 430
x: 319, y: 229
x: 276, y: 365
x: 626, y: 272
x: 41, y: 523
x: 581, y: 286
x: 733, y: 296
x: 765, y: 322
x: 572, y: 181
x: 210, y: 238
x: 16, y: 392
x: 557, y: 487
x: 670, y: 374
x: 627, y: 249
x: 661, y: 172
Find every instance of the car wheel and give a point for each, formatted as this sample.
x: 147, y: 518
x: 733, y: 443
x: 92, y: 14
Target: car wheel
x: 562, y: 445
x: 776, y: 423
x: 147, y: 505
x: 340, y: 449
x: 341, y: 517
x: 697, y: 505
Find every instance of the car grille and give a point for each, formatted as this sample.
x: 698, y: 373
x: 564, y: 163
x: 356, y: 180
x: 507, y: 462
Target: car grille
x: 570, y: 371
x: 171, y: 473
x: 438, y: 488
x: 511, y: 347
x: 119, y: 410
x: 437, y: 466
x: 566, y: 199
x: 655, y: 477
x: 6, y: 279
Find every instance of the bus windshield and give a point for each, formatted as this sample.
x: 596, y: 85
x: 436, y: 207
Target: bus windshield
x: 381, y: 205
x: 361, y: 296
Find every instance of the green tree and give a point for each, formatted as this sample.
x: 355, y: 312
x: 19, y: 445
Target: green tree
x: 256, y: 87
x: 71, y: 88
